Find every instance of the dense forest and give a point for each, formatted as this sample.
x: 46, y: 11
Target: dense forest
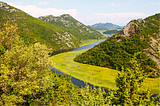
x: 33, y: 30
x: 26, y: 79
x: 25, y: 67
x: 140, y: 37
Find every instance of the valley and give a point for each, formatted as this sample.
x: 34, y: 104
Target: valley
x: 98, y: 76
x: 53, y: 59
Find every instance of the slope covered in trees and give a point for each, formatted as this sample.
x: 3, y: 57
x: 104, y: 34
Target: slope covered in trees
x: 33, y: 30
x: 138, y: 36
x: 26, y: 79
x: 110, y: 32
x: 69, y: 24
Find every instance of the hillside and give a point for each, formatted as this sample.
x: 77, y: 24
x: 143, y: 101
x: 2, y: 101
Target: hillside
x: 110, y: 31
x: 33, y: 30
x: 71, y: 25
x: 138, y: 36
x: 105, y: 26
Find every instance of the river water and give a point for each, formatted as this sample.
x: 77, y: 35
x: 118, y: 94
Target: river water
x: 74, y: 80
x: 79, y: 82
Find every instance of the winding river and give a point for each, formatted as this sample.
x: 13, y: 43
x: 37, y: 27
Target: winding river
x: 74, y: 80
x: 79, y: 82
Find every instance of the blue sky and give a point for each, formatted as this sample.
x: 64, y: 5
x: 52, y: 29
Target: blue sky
x: 89, y: 12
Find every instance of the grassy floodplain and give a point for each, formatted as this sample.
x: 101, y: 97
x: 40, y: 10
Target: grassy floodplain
x: 99, y: 76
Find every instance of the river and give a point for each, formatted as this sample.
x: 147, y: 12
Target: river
x: 74, y: 80
x: 79, y: 82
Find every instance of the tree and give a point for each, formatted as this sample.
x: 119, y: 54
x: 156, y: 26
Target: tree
x: 129, y: 84
x: 24, y: 71
x: 8, y: 37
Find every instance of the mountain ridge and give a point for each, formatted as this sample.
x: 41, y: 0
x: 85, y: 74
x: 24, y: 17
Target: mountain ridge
x: 68, y: 23
x: 105, y: 26
x: 33, y: 30
x: 138, y: 36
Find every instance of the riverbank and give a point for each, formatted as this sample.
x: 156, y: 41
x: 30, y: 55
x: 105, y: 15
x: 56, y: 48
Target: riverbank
x: 88, y: 73
x: 99, y: 76
x: 86, y: 42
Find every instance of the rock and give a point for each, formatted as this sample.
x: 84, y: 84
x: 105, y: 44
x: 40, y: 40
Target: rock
x: 131, y: 28
x: 6, y: 8
x: 1, y: 4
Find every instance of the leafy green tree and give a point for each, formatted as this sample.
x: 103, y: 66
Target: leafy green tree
x: 129, y: 87
x: 24, y: 71
x: 8, y: 37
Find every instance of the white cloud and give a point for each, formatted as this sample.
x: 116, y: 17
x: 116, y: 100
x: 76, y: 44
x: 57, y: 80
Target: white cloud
x: 36, y: 12
x: 43, y: 3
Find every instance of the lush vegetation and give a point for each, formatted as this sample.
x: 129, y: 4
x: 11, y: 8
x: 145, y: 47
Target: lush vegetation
x: 33, y: 30
x: 105, y: 26
x: 110, y: 32
x: 26, y: 79
x: 116, y: 51
x: 99, y: 76
x: 69, y: 24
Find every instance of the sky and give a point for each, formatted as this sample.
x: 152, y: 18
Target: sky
x: 90, y: 12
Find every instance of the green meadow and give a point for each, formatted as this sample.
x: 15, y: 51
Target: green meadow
x: 99, y: 76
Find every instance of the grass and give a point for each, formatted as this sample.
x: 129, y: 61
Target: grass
x: 98, y: 76
x: 95, y: 75
x: 88, y: 73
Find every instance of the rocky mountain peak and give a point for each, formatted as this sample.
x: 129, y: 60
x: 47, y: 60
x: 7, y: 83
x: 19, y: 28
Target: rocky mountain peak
x: 132, y: 28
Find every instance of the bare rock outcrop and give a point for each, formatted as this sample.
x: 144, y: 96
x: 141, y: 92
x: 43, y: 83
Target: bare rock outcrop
x: 131, y: 28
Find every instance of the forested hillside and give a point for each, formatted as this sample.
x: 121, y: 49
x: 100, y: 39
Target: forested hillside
x: 110, y: 32
x: 33, y: 30
x: 69, y: 24
x: 139, y: 37
x: 26, y: 79
x: 25, y: 70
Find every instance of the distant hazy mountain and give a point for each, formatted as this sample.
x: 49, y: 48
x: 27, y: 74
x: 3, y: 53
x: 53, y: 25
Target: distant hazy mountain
x: 105, y: 26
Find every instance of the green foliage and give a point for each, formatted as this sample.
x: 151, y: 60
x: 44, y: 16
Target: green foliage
x: 129, y: 87
x: 26, y: 79
x: 55, y: 36
x: 24, y: 71
x: 69, y: 24
x: 117, y: 50
x: 8, y: 37
x: 110, y: 32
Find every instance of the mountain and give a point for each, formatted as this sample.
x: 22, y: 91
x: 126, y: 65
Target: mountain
x: 71, y: 25
x: 105, y: 26
x: 110, y: 32
x: 33, y: 30
x: 139, y: 37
